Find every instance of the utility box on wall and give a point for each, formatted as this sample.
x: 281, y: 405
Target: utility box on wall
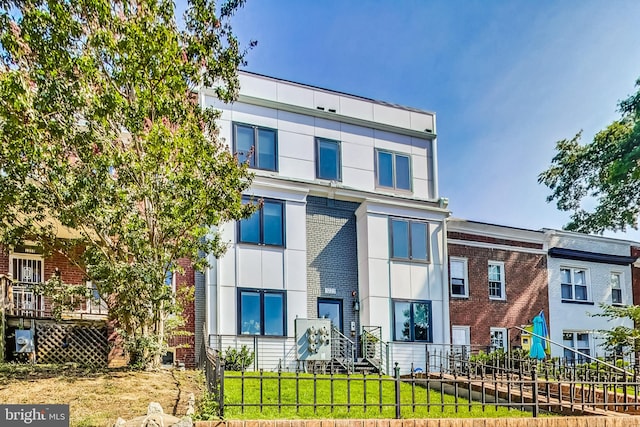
x: 313, y: 339
x: 24, y: 341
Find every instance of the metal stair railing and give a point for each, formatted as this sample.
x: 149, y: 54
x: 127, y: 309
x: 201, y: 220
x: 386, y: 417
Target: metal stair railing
x: 343, y: 350
x: 374, y: 349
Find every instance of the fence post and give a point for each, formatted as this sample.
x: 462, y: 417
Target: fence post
x: 396, y: 375
x: 221, y: 387
x: 534, y: 379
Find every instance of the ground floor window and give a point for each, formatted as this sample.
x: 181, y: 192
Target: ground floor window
x: 499, y: 339
x: 262, y: 312
x: 579, y: 341
x: 412, y: 321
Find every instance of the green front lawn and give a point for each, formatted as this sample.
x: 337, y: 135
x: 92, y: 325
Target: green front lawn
x: 380, y: 399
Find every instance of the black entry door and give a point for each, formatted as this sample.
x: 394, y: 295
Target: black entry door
x: 331, y: 309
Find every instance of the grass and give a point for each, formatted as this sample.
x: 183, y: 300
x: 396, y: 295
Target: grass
x: 377, y: 392
x: 98, y: 397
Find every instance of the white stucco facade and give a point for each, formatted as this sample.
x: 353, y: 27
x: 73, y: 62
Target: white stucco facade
x: 361, y: 128
x: 588, y: 263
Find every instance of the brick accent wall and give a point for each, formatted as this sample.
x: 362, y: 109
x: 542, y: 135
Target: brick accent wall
x: 332, y: 258
x: 525, y: 288
x: 186, y: 344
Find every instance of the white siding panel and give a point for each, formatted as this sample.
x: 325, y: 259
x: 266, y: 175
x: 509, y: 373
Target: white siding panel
x: 296, y: 123
x: 258, y: 87
x: 357, y: 156
x: 326, y: 100
x: 295, y: 168
x: 255, y: 115
x: 420, y: 281
x: 227, y: 310
x: 272, y: 268
x: 296, y: 270
x: 356, y: 134
x: 391, y: 116
x: 295, y: 95
x: 422, y: 122
x: 249, y: 266
x: 419, y: 167
x: 358, y: 178
x: 378, y: 277
x: 296, y: 146
x: 327, y: 129
x: 356, y: 108
x: 401, y: 280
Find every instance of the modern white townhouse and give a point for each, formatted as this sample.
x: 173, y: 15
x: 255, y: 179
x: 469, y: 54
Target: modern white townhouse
x: 584, y: 272
x: 352, y: 227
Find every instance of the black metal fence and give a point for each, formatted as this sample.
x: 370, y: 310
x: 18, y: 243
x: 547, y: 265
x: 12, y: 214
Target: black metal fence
x: 476, y: 391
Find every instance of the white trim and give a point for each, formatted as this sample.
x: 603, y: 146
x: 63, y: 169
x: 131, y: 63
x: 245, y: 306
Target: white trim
x: 35, y: 257
x: 587, y: 278
x: 496, y: 246
x: 465, y: 273
x: 505, y: 331
x: 620, y: 284
x: 502, y: 280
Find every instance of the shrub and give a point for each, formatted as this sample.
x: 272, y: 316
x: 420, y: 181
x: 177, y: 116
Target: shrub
x: 238, y: 360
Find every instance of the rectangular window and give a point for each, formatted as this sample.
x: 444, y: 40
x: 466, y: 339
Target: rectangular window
x: 265, y: 226
x: 499, y: 339
x: 496, y: 280
x: 261, y: 312
x: 256, y: 145
x: 393, y: 170
x: 409, y: 240
x: 328, y: 162
x: 573, y: 282
x: 578, y: 341
x: 412, y: 321
x: 458, y: 277
x: 616, y: 288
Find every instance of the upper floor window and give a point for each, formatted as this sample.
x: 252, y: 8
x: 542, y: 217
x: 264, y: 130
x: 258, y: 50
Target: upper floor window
x: 412, y: 321
x: 256, y: 145
x: 458, y: 277
x: 262, y: 312
x: 328, y: 162
x: 496, y: 280
x: 265, y: 226
x: 616, y: 288
x: 409, y: 240
x: 393, y: 170
x: 573, y: 282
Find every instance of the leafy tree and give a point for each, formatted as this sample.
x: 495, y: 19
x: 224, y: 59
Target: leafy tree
x: 606, y: 171
x: 102, y: 137
x: 621, y: 338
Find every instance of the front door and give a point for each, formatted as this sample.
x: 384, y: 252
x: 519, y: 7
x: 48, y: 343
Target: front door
x: 331, y: 309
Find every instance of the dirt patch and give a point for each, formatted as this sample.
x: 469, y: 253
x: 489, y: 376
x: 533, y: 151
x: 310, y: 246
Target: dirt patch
x: 99, y: 398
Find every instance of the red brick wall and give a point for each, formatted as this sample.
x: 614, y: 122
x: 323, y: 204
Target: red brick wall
x: 525, y: 288
x: 68, y: 272
x: 635, y: 276
x: 186, y: 351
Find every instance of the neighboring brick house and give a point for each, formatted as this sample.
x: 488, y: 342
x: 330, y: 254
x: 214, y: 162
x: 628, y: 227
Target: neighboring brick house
x: 497, y: 280
x: 352, y: 226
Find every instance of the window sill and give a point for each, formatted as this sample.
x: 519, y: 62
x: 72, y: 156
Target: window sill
x: 459, y: 296
x: 573, y: 301
x: 618, y: 304
x: 498, y: 299
x: 262, y: 245
x: 410, y: 261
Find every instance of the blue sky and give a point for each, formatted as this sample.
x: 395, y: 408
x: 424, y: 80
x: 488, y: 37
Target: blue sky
x: 506, y: 79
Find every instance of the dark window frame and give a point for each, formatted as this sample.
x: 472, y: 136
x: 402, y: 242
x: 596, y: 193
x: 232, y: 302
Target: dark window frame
x: 409, y: 241
x: 411, y: 319
x: 394, y: 174
x: 262, y: 293
x: 337, y: 301
x: 254, y: 162
x: 338, y: 144
x: 283, y: 223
